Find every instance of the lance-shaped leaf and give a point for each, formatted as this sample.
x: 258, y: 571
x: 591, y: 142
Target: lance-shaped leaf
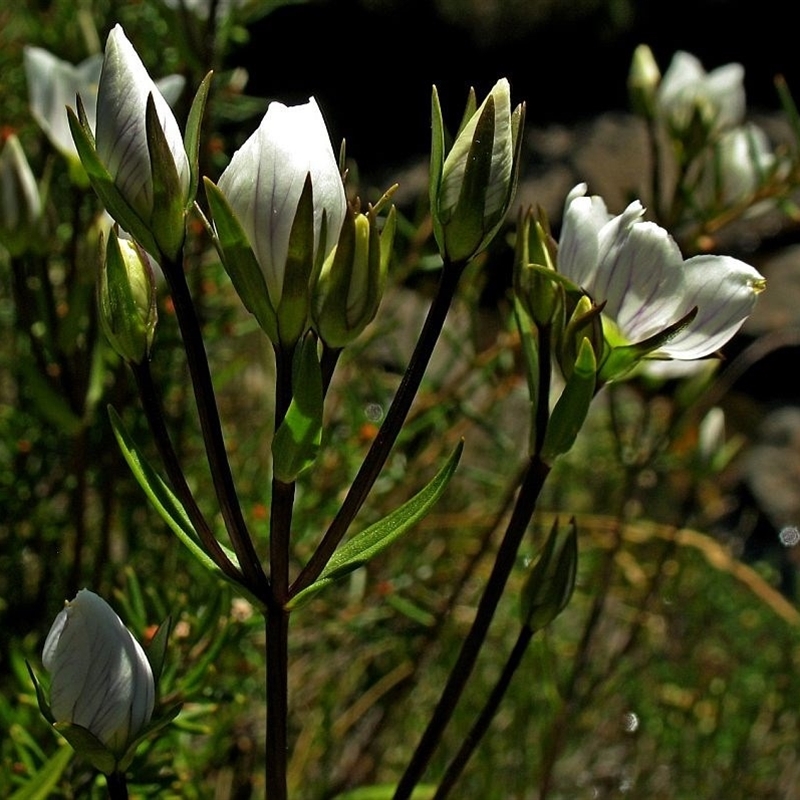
x: 296, y: 442
x: 41, y: 785
x: 169, y: 507
x: 191, y: 136
x: 376, y: 538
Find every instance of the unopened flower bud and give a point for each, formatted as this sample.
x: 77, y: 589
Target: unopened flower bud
x: 350, y: 286
x: 20, y: 203
x: 472, y: 187
x: 126, y: 297
x: 101, y: 680
x: 135, y: 159
x: 643, y: 80
x: 551, y: 581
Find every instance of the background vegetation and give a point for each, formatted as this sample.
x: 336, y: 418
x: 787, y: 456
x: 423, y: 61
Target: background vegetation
x: 672, y: 674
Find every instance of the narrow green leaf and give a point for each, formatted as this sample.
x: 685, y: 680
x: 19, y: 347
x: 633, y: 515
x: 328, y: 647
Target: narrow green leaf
x: 376, y: 538
x: 386, y: 792
x: 40, y: 785
x: 296, y: 442
x: 162, y: 498
x: 51, y: 404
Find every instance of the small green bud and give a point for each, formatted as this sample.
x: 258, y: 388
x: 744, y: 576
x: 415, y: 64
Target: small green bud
x: 551, y: 581
x: 126, y: 295
x: 471, y: 188
x: 585, y: 323
x: 643, y: 80
x: 351, y: 283
x: 534, y: 270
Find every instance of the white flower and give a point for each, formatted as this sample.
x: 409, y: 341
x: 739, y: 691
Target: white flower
x: 121, y: 135
x: 53, y: 85
x: 636, y: 269
x: 743, y: 155
x: 265, y: 179
x: 687, y: 89
x: 100, y: 676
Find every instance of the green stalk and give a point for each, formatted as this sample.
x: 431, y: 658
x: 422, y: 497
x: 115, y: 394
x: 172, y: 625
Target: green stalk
x: 529, y: 491
x: 211, y: 428
x: 389, y: 430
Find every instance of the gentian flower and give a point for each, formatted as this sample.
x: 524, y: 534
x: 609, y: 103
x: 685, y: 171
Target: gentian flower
x: 101, y: 679
x: 687, y: 92
x: 741, y: 159
x: 53, y: 84
x: 472, y: 186
x: 636, y: 271
x: 285, y: 191
x: 139, y: 169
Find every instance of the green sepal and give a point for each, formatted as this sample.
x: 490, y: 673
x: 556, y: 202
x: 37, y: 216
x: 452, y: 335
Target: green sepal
x: 620, y: 360
x: 191, y: 136
x: 88, y: 746
x: 167, y: 221
x: 296, y: 442
x: 436, y: 167
x: 529, y: 347
x: 377, y: 537
x: 295, y: 302
x: 572, y: 406
x: 551, y: 580
x: 170, y: 508
x: 152, y: 726
x: 156, y: 651
x: 103, y: 184
x: 41, y: 697
x: 465, y: 230
x: 470, y: 108
x: 240, y: 262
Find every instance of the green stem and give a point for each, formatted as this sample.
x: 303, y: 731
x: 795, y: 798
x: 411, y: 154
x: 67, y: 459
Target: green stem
x: 529, y: 491
x: 277, y: 619
x: 482, y: 723
x: 277, y: 627
x: 211, y: 428
x: 155, y: 419
x: 389, y: 430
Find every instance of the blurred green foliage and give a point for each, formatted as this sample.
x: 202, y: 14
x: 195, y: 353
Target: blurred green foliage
x: 672, y: 674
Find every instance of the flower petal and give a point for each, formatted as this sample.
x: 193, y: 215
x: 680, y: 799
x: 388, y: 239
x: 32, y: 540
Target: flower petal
x: 724, y: 290
x: 121, y: 134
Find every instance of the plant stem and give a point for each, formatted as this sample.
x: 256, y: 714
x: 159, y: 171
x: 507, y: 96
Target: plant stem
x: 117, y: 786
x: 482, y: 723
x: 277, y: 618
x: 277, y: 628
x: 211, y: 428
x: 155, y: 419
x: 529, y: 491
x: 389, y: 430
